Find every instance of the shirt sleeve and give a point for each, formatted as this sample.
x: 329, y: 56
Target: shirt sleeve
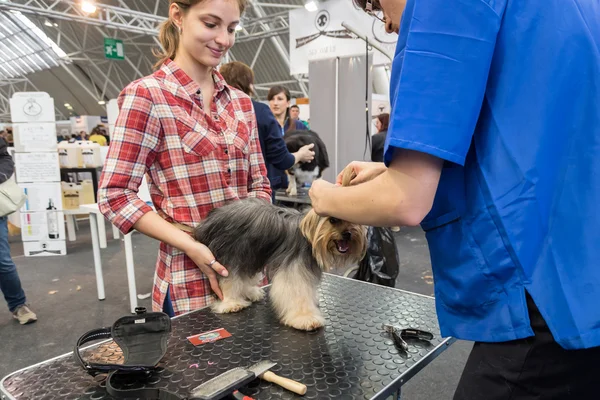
x: 440, y: 83
x: 131, y: 153
x: 258, y: 183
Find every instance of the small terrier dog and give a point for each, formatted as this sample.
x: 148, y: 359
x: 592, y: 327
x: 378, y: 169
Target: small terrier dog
x: 251, y: 236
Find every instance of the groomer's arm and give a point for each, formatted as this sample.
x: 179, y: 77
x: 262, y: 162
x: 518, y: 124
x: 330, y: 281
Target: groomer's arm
x: 437, y: 89
x: 402, y: 195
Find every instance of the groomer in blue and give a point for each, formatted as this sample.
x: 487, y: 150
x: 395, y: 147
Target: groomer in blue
x: 494, y: 148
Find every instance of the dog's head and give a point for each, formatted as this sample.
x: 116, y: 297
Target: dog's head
x: 335, y: 243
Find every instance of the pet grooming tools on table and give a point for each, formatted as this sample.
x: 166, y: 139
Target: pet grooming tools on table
x: 143, y: 340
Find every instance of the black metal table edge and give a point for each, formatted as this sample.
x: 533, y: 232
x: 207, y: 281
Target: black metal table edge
x: 393, y: 388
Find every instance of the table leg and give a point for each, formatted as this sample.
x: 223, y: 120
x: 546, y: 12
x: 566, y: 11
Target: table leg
x: 71, y: 228
x: 97, y: 259
x: 116, y: 232
x: 101, y: 231
x: 130, y: 273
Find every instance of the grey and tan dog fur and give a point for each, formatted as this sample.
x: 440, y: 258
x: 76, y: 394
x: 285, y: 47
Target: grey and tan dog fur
x: 251, y: 236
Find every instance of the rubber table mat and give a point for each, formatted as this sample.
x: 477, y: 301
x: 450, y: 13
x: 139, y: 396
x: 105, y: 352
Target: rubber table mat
x: 351, y: 358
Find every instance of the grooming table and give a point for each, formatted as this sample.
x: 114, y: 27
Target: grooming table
x: 298, y: 201
x: 351, y: 358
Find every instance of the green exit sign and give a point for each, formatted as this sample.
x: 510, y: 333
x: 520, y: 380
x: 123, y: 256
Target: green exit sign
x: 113, y: 49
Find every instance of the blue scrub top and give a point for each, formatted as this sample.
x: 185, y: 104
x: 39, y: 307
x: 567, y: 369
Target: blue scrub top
x: 508, y: 93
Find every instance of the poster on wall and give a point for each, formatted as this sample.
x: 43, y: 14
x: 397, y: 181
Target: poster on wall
x: 35, y: 137
x: 32, y: 107
x: 37, y: 167
x: 46, y: 225
x: 42, y: 196
x: 320, y: 35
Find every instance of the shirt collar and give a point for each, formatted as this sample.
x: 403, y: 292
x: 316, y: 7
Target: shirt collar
x: 175, y: 74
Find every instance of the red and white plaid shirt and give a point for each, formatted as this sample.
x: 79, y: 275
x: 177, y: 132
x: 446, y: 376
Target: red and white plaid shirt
x: 196, y: 161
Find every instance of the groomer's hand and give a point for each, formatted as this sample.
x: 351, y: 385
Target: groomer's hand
x: 318, y: 196
x: 305, y: 153
x: 365, y: 171
x: 203, y: 257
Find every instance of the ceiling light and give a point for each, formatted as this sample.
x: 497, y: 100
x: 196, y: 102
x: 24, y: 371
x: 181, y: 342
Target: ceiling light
x: 48, y: 23
x: 102, y: 102
x: 88, y: 7
x: 238, y: 27
x: 311, y: 5
x: 67, y: 105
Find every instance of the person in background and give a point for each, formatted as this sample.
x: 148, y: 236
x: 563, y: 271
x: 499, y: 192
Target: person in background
x: 295, y: 115
x: 279, y: 102
x: 277, y: 157
x: 97, y: 137
x: 378, y: 140
x: 493, y: 148
x: 195, y: 139
x: 10, y: 284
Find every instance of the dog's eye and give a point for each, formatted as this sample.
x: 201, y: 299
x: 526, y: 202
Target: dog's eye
x: 334, y: 221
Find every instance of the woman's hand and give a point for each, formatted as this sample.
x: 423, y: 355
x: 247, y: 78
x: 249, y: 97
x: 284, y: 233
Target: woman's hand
x: 205, y: 260
x: 365, y: 171
x: 305, y: 154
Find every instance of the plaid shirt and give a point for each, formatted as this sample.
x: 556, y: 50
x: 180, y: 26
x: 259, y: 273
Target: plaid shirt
x: 195, y: 161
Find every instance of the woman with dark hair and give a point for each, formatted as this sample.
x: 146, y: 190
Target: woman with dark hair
x: 378, y: 139
x: 276, y: 155
x: 279, y: 101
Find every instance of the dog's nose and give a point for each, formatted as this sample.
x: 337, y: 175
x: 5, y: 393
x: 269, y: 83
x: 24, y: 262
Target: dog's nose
x: 347, y: 235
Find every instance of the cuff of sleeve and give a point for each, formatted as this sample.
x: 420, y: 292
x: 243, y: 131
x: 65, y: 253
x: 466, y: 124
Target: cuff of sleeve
x: 421, y: 147
x: 129, y: 214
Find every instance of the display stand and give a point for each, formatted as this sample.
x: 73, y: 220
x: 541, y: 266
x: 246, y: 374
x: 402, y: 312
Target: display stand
x: 38, y: 173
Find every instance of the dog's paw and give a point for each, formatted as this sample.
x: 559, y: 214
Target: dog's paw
x: 306, y: 322
x: 291, y: 192
x: 255, y: 294
x: 229, y: 306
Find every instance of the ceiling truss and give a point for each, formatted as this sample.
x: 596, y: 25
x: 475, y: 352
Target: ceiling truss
x: 103, y: 79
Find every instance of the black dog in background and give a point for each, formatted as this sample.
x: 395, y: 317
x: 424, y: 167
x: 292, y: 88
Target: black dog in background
x: 302, y: 173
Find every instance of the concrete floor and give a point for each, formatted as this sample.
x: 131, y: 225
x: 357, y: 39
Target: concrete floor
x: 62, y: 291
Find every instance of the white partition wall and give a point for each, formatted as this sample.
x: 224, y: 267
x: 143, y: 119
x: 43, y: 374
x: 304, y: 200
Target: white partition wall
x: 338, y: 109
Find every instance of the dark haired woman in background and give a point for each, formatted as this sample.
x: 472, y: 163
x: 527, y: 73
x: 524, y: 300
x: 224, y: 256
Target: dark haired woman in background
x: 276, y: 155
x: 279, y: 102
x: 378, y: 139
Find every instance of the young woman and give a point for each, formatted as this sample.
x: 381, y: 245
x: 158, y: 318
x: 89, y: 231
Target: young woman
x: 494, y: 148
x: 196, y: 139
x: 277, y: 157
x: 279, y: 102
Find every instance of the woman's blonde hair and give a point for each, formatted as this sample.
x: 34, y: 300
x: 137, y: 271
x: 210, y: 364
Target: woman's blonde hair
x: 168, y: 35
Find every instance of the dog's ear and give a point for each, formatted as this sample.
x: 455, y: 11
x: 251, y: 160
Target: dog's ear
x: 348, y: 175
x: 309, y: 225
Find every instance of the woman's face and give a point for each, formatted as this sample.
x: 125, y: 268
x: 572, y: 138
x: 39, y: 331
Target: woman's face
x: 392, y: 14
x: 378, y: 125
x: 207, y: 30
x: 279, y: 104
